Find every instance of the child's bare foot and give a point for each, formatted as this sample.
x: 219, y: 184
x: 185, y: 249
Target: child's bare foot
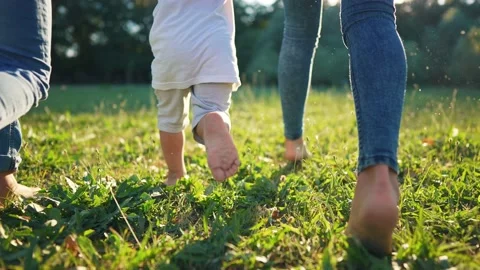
x: 9, y: 188
x: 295, y: 150
x: 222, y: 154
x: 374, y: 212
x: 172, y: 177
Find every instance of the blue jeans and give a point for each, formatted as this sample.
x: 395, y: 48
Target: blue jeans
x: 25, y: 34
x: 377, y: 72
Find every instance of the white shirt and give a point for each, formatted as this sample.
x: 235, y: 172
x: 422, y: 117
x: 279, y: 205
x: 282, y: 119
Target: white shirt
x: 193, y: 42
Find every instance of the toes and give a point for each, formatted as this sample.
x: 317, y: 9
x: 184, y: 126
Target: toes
x: 219, y: 174
x: 233, y: 170
x: 225, y: 171
x: 170, y: 182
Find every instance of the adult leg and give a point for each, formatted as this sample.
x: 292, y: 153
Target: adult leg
x: 10, y: 138
x: 300, y: 37
x: 378, y: 78
x: 25, y: 36
x: 25, y: 33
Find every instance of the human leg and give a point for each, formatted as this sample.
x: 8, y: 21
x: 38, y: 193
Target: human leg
x: 211, y: 123
x: 25, y: 40
x: 25, y: 36
x: 300, y: 37
x: 378, y: 78
x: 172, y: 120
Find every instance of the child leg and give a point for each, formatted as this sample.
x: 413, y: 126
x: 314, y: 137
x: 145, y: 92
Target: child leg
x: 172, y: 120
x: 211, y: 124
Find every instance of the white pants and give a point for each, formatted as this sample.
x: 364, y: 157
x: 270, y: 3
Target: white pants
x: 173, y: 106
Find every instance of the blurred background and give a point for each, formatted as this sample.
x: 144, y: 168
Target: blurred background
x: 106, y: 41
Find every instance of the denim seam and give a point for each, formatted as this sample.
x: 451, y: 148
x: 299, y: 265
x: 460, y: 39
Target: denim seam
x: 358, y: 110
x: 10, y: 147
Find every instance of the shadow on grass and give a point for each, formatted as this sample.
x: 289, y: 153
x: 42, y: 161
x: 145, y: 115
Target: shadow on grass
x: 88, y: 211
x: 210, y: 253
x: 358, y: 258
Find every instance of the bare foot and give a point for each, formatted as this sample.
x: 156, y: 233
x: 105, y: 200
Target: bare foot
x: 222, y: 154
x: 9, y: 188
x: 172, y: 177
x: 295, y: 150
x: 374, y: 212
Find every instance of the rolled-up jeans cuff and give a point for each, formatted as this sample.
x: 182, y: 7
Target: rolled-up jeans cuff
x: 9, y: 162
x: 10, y: 143
x: 365, y: 162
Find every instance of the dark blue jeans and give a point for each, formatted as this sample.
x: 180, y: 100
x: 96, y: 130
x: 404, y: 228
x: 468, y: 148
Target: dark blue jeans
x: 25, y: 33
x: 377, y: 72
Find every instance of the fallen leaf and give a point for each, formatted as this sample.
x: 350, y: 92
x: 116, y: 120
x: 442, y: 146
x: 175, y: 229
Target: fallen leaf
x: 261, y: 259
x: 16, y: 242
x: 38, y: 208
x: 56, y: 202
x: 71, y: 244
x: 428, y: 142
x: 51, y: 222
x: 291, y: 219
x: 71, y: 184
x: 25, y: 218
x: 155, y: 194
x: 2, y: 232
x: 275, y: 213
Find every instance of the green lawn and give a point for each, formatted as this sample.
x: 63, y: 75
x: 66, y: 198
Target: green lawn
x: 85, y: 142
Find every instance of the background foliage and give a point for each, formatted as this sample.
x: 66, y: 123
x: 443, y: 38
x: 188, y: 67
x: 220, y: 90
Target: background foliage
x: 107, y: 42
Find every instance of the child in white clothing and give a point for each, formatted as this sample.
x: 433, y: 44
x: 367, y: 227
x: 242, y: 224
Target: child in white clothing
x: 193, y: 45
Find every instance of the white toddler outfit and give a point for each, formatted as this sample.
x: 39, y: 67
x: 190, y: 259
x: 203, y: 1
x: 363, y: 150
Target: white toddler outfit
x: 193, y: 45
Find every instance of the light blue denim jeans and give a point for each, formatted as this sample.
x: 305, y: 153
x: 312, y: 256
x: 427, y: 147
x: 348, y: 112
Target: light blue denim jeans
x: 377, y: 72
x: 25, y: 42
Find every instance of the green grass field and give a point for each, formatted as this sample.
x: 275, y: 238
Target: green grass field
x: 86, y: 146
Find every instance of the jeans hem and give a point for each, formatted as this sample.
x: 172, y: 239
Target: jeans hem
x: 9, y: 163
x: 293, y: 138
x: 363, y: 163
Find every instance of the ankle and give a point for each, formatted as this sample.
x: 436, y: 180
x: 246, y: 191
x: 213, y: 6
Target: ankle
x: 296, y: 149
x: 380, y: 177
x: 377, y: 172
x: 294, y: 142
x: 178, y: 173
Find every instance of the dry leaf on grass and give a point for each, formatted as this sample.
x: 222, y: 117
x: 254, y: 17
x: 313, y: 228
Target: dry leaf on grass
x: 71, y: 244
x: 2, y: 232
x: 428, y: 142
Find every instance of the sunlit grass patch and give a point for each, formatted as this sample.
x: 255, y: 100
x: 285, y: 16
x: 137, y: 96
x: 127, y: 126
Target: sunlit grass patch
x: 85, y: 142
